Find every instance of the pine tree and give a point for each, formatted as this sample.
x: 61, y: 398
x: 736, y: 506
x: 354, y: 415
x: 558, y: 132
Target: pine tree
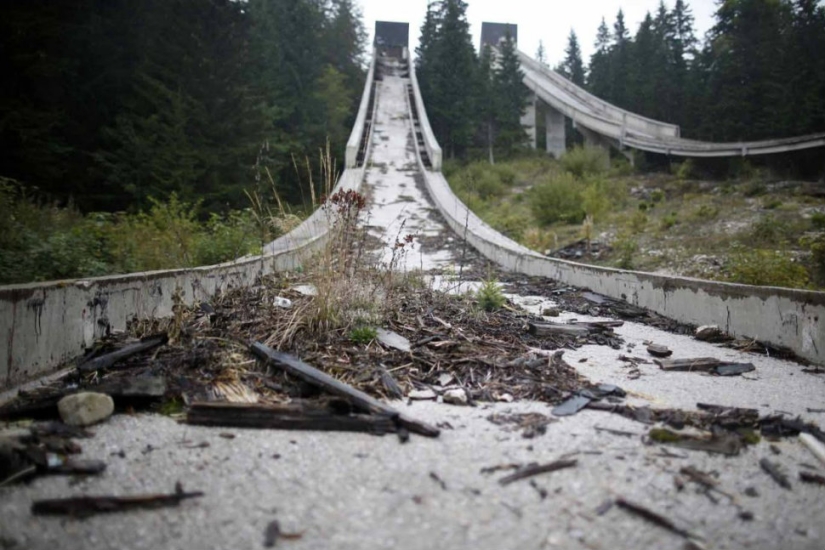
x: 541, y: 54
x: 486, y: 101
x: 598, y: 80
x: 511, y: 97
x: 573, y: 66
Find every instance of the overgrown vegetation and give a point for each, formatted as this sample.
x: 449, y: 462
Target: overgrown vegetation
x: 654, y: 221
x: 44, y: 241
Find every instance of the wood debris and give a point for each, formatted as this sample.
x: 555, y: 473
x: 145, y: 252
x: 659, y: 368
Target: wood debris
x: 535, y: 469
x: 88, y: 506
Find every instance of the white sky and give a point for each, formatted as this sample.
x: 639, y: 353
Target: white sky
x: 546, y: 20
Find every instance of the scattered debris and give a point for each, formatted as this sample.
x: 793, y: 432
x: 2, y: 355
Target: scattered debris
x: 531, y: 424
x: 653, y: 517
x: 572, y: 406
x: 813, y: 445
x: 535, y: 469
x: 85, y: 408
x: 286, y: 417
x: 393, y: 340
x: 456, y: 397
x: 711, y: 333
x: 422, y: 395
x: 605, y: 507
x: 108, y: 360
x: 659, y: 351
x: 87, y: 506
x: 273, y: 533
x: 724, y: 443
x: 705, y: 364
x: 540, y: 490
x: 615, y: 432
x: 310, y: 374
x: 434, y: 477
x: 808, y: 477
x: 772, y: 469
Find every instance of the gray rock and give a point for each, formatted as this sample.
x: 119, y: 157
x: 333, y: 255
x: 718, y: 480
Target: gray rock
x: 392, y: 339
x: 85, y: 408
x: 421, y: 395
x: 455, y: 397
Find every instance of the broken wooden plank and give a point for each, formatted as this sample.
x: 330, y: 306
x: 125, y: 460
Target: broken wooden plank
x: 308, y: 373
x: 106, y: 361
x: 653, y: 517
x: 808, y: 477
x: 535, y: 469
x: 87, y: 506
x: 598, y: 325
x: 659, y: 351
x: 285, y: 417
x: 550, y: 329
x: 702, y: 364
x: 773, y: 470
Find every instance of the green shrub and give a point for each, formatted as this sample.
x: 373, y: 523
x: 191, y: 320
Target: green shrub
x: 705, y: 212
x: 684, y: 170
x: 818, y: 220
x: 657, y: 196
x: 769, y: 230
x: 771, y: 203
x: 765, y: 268
x: 596, y: 198
x: 754, y: 189
x: 815, y: 244
x: 669, y: 220
x: 489, y: 296
x: 637, y: 222
x: 626, y: 248
x: 557, y: 199
x: 363, y: 334
x: 583, y: 161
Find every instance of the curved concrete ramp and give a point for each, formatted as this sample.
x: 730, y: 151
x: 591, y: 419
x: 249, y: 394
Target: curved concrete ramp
x: 626, y: 129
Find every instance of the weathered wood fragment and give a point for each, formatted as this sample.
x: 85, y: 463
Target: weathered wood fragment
x: 285, y: 417
x: 551, y: 329
x: 294, y: 366
x: 808, y: 477
x: 773, y: 470
x: 535, y: 469
x: 659, y: 351
x: 106, y: 361
x: 653, y: 517
x: 87, y: 506
x: 702, y: 364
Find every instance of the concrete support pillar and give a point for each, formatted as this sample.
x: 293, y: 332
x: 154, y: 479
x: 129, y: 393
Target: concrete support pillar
x: 555, y: 131
x: 528, y: 121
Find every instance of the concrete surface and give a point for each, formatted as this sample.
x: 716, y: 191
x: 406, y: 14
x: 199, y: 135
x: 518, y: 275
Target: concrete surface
x: 398, y: 203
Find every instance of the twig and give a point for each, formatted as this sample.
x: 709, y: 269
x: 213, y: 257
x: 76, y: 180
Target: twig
x: 535, y: 469
x: 652, y: 517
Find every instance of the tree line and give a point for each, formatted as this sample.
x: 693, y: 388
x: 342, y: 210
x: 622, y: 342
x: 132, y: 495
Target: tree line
x: 759, y: 73
x: 474, y: 102
x: 112, y: 102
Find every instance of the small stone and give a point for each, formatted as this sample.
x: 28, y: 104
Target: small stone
x: 421, y: 395
x: 392, y: 339
x: 709, y: 333
x: 551, y: 312
x: 456, y: 397
x: 445, y: 379
x: 85, y: 408
x: 282, y: 302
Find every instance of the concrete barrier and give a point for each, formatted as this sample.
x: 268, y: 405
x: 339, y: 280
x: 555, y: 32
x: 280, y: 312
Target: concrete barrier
x: 783, y: 317
x: 430, y: 143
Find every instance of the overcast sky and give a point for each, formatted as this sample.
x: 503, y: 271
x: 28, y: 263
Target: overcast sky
x: 545, y: 20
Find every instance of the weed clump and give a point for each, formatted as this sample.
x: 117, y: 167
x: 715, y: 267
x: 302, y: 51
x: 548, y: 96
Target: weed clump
x: 557, y: 199
x: 765, y: 268
x: 489, y: 296
x: 363, y: 334
x: 585, y: 161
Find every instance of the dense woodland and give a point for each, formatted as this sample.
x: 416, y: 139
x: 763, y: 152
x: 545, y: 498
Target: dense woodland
x: 758, y: 74
x: 112, y: 102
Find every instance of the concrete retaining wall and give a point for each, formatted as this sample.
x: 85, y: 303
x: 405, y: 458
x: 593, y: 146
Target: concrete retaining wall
x: 784, y: 317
